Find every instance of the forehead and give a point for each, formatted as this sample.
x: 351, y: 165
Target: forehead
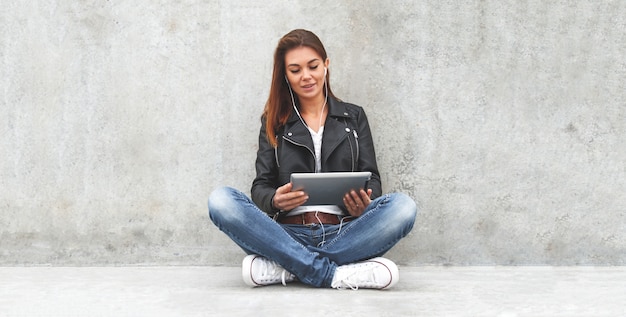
x: 301, y: 56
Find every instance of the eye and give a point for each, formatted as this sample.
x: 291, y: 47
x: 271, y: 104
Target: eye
x: 314, y: 67
x: 294, y: 71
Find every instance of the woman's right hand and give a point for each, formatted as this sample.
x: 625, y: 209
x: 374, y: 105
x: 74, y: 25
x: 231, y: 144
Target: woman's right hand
x: 285, y: 199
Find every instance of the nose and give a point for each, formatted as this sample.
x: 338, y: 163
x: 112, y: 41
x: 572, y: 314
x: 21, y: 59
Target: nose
x: 306, y: 74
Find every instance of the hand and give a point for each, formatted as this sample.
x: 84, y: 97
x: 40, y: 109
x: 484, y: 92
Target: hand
x: 285, y: 199
x: 356, y: 202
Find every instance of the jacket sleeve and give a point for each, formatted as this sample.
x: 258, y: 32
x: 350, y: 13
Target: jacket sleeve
x: 367, y: 156
x: 266, y: 180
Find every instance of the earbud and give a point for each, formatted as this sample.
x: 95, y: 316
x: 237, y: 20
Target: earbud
x: 325, y: 70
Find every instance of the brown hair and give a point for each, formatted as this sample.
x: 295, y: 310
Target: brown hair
x: 278, y: 107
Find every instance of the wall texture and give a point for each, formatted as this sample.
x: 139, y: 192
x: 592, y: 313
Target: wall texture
x: 505, y: 120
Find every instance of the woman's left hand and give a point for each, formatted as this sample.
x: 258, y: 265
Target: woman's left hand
x: 356, y: 202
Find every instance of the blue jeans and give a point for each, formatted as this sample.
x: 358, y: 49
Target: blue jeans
x: 313, y: 252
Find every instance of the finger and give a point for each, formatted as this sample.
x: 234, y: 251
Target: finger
x: 295, y: 202
x: 284, y: 189
x: 365, y: 197
x: 284, y: 194
x: 290, y: 193
x: 349, y: 202
x: 297, y: 195
x: 357, y: 198
x: 355, y: 203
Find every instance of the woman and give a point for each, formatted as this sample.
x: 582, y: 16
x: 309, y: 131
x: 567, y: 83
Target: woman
x: 305, y: 128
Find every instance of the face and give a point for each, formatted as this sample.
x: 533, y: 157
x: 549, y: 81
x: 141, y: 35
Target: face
x: 305, y: 72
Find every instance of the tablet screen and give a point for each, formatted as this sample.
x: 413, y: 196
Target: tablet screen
x: 329, y: 188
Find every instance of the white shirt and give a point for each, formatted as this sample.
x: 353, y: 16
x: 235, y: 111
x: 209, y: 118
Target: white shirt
x: 330, y: 209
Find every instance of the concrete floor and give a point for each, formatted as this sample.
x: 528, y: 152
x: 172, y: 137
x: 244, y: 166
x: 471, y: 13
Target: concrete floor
x: 219, y: 291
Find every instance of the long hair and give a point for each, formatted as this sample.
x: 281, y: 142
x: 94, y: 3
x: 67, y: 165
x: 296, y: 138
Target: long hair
x: 278, y: 107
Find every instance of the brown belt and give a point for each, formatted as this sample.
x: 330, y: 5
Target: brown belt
x: 309, y: 218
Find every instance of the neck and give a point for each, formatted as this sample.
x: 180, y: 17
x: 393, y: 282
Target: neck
x: 312, y: 113
x: 313, y: 106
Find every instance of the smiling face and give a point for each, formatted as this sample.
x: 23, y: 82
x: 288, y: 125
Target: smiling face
x: 305, y: 71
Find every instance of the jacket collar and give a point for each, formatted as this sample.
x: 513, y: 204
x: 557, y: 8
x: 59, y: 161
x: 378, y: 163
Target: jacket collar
x: 336, y: 109
x: 335, y: 129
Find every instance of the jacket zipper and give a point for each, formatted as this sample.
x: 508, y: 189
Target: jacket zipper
x: 356, y: 140
x: 354, y: 161
x: 351, y: 153
x: 276, y: 152
x: 302, y: 145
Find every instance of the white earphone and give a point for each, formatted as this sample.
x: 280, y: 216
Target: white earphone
x: 293, y: 102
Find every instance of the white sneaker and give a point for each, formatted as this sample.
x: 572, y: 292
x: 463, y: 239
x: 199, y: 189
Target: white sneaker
x: 378, y: 273
x: 259, y: 271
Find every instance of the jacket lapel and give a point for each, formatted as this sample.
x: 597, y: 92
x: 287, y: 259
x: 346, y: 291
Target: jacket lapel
x: 335, y: 129
x: 296, y: 132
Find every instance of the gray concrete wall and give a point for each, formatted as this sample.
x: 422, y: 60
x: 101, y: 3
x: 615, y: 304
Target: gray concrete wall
x: 504, y: 119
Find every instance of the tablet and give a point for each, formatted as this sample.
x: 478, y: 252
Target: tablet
x: 329, y: 188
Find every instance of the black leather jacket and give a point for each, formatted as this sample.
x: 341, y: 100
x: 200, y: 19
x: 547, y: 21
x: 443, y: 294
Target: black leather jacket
x: 347, y: 145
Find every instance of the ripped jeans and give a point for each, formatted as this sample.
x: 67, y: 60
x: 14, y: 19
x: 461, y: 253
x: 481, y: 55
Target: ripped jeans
x: 313, y: 252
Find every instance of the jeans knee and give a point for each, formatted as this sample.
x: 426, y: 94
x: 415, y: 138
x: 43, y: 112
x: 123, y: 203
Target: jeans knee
x: 219, y: 201
x: 405, y: 208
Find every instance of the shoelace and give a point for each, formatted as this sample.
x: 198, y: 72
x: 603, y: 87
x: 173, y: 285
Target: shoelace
x: 282, y: 277
x: 364, y: 280
x: 271, y: 269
